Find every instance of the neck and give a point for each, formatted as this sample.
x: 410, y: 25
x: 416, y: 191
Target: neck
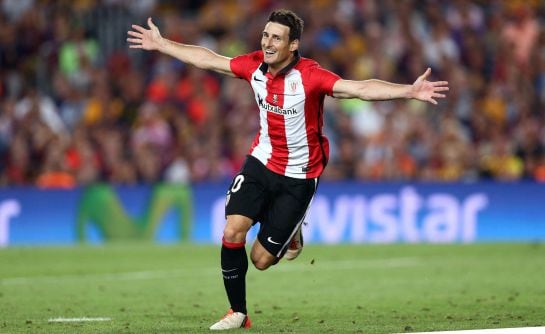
x: 275, y: 68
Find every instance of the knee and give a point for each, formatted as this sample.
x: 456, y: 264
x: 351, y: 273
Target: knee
x: 230, y: 234
x: 234, y: 234
x: 236, y: 228
x: 263, y: 263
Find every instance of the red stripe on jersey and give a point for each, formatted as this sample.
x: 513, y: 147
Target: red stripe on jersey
x: 317, y: 143
x: 277, y: 127
x: 290, y: 141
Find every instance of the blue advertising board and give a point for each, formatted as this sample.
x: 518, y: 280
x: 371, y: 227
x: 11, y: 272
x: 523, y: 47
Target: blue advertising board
x: 346, y: 212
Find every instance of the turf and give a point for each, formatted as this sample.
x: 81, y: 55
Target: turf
x: 147, y: 288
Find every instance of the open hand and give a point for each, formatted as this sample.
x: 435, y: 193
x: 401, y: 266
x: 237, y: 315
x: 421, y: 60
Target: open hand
x: 428, y: 91
x: 147, y: 39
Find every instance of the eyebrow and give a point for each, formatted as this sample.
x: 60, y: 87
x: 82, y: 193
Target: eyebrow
x: 273, y: 35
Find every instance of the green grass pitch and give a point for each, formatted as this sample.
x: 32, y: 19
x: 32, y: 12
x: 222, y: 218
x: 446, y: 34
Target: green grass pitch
x: 146, y: 288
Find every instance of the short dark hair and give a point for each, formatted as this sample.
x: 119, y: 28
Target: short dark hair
x: 290, y: 19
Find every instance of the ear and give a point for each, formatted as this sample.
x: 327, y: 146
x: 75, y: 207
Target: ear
x: 294, y: 45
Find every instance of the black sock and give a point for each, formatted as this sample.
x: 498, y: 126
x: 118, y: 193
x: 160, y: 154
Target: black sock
x: 234, y: 265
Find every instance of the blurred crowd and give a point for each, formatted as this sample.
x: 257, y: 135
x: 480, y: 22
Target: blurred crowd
x: 77, y: 106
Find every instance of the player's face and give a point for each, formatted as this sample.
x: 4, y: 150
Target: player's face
x: 277, y: 49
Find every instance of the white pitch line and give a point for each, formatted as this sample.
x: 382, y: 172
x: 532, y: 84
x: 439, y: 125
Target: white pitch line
x: 84, y: 319
x: 518, y: 330
x: 400, y: 262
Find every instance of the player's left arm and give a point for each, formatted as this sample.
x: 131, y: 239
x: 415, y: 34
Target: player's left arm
x: 374, y: 89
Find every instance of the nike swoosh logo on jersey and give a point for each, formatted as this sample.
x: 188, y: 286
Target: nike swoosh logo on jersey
x: 256, y: 79
x: 229, y: 270
x: 272, y: 242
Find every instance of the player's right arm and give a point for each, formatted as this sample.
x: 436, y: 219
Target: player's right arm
x: 151, y: 39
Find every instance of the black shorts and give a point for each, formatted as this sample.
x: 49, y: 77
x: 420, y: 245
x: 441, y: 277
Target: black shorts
x: 279, y: 203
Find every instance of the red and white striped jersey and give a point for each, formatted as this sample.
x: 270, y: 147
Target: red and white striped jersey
x: 290, y: 140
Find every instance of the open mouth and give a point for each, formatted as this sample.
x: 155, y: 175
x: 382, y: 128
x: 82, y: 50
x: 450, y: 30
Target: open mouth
x: 269, y: 52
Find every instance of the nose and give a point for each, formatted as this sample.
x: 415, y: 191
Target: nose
x: 266, y: 41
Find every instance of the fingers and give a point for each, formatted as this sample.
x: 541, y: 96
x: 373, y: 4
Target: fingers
x: 440, y: 83
x: 433, y: 88
x: 426, y: 74
x: 151, y: 24
x: 136, y: 41
x: 135, y: 34
x: 138, y: 28
x: 138, y: 34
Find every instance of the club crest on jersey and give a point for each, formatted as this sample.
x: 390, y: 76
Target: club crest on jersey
x: 293, y: 86
x: 275, y: 98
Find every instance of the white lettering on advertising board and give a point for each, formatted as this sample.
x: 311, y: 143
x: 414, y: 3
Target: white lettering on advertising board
x: 385, y: 218
x: 8, y: 209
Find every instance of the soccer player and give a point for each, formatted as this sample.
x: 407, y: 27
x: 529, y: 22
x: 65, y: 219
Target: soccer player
x: 281, y: 172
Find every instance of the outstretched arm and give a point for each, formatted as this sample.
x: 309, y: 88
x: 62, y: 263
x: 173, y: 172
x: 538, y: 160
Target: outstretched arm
x: 151, y: 39
x: 373, y: 89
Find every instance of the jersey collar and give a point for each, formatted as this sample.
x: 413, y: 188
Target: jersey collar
x: 265, y: 67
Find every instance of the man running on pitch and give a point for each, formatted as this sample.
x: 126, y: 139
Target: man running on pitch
x: 288, y: 155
